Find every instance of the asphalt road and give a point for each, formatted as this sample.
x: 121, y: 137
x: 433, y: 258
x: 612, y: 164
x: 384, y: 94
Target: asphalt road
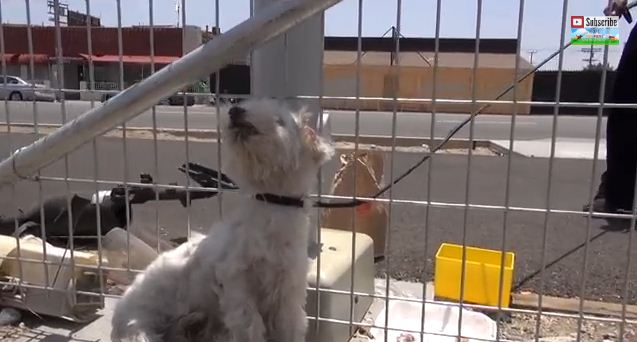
x: 343, y: 122
x: 413, y: 241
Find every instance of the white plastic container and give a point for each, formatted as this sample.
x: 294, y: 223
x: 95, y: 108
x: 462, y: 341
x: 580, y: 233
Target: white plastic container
x: 116, y: 249
x: 440, y: 320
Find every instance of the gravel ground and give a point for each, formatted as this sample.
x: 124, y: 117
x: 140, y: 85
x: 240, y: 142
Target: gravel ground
x: 414, y: 239
x: 11, y: 333
x: 522, y: 327
x: 415, y: 232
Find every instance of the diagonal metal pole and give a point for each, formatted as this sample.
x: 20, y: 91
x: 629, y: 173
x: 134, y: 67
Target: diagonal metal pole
x: 238, y: 41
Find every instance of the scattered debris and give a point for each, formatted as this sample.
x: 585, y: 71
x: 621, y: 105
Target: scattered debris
x: 12, y: 333
x: 423, y: 148
x: 478, y: 151
x: 45, y: 281
x: 560, y: 329
x: 516, y: 327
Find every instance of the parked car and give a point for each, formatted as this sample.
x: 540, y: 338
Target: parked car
x: 173, y: 100
x: 17, y: 89
x: 178, y: 100
x: 226, y: 100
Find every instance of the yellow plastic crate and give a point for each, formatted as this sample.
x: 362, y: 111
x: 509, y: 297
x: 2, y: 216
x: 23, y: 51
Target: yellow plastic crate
x: 482, y: 274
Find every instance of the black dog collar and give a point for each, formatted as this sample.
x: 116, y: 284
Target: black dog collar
x: 280, y: 200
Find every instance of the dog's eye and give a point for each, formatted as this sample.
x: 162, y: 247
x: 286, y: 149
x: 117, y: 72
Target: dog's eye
x: 280, y: 122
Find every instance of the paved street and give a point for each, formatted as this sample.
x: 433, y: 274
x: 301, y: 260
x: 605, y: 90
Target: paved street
x: 413, y: 243
x: 343, y: 122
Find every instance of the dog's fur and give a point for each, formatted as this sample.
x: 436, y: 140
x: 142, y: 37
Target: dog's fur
x: 246, y: 280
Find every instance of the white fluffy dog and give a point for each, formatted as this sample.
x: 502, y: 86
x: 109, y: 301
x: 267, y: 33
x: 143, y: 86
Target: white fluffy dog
x: 246, y: 280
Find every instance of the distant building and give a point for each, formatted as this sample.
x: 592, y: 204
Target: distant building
x: 414, y: 77
x: 170, y: 43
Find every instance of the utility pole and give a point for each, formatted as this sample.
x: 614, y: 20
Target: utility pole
x: 395, y: 37
x: 177, y: 7
x: 531, y: 52
x: 58, y: 12
x: 591, y: 55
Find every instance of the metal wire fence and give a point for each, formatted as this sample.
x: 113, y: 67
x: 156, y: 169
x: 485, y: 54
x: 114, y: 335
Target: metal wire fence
x: 89, y: 170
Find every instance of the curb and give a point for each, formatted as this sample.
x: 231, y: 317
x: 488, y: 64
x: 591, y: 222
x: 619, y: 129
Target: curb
x: 211, y: 135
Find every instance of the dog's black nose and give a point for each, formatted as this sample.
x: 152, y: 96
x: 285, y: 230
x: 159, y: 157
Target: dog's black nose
x: 236, y: 113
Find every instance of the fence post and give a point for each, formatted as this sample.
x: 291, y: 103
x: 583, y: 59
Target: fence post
x: 291, y: 64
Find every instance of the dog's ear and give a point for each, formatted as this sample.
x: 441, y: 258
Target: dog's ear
x: 321, y: 149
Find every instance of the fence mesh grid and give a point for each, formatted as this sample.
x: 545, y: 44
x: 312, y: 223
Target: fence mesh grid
x: 95, y: 182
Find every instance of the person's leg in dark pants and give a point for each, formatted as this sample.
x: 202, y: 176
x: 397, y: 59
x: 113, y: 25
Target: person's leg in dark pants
x: 621, y: 131
x: 618, y: 182
x: 621, y: 159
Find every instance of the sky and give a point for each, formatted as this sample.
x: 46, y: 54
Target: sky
x: 541, y: 25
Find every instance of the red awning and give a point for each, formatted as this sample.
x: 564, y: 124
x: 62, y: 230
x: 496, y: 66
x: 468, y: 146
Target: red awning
x: 131, y: 59
x: 25, y: 58
x: 7, y: 56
